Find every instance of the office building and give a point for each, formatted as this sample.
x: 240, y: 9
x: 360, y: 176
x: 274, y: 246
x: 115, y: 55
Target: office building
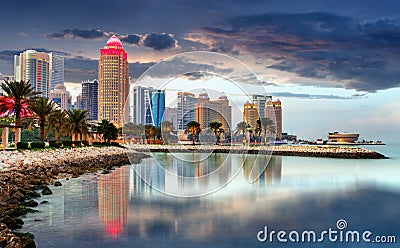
x: 251, y: 115
x: 56, y: 69
x: 260, y: 101
x: 113, y: 83
x: 61, y: 97
x: 90, y: 90
x: 185, y: 109
x: 141, y: 105
x: 273, y: 110
x: 35, y: 67
x: 157, y: 107
x: 207, y: 111
x: 170, y: 115
x: 79, y: 102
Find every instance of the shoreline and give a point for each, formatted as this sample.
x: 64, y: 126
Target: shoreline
x: 282, y: 150
x: 24, y: 176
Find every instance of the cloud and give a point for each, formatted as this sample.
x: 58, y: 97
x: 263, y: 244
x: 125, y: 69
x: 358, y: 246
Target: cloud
x: 131, y: 38
x: 160, y: 41
x: 90, y: 34
x: 311, y: 96
x: 325, y: 47
x: 157, y: 41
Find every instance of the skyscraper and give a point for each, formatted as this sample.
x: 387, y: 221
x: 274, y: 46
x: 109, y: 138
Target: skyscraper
x: 79, y: 102
x: 251, y: 115
x: 170, y: 115
x: 141, y: 100
x: 35, y: 67
x: 157, y: 106
x: 61, y: 96
x: 185, y: 109
x: 90, y: 91
x: 259, y: 101
x: 56, y: 69
x: 113, y: 83
x: 207, y: 111
x: 273, y: 110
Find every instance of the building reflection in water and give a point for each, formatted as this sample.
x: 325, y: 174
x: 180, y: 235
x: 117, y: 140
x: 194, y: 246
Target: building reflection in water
x: 113, y: 197
x: 271, y: 174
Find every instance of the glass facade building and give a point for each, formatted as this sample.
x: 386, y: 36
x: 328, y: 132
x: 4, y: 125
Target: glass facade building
x: 157, y: 107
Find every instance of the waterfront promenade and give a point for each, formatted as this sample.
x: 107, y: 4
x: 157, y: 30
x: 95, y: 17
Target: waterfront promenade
x: 282, y: 150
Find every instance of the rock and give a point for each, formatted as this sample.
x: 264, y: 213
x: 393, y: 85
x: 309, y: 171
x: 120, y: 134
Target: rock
x: 44, y: 202
x: 57, y: 184
x: 10, y: 222
x: 47, y: 191
x: 30, y: 203
x: 31, y: 194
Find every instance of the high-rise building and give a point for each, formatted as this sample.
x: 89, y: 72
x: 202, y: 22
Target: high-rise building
x: 113, y: 83
x: 207, y: 111
x: 259, y: 101
x: 157, y: 107
x: 90, y: 91
x: 185, y: 109
x: 79, y: 102
x: 35, y: 67
x: 61, y: 96
x: 251, y: 115
x: 273, y: 110
x: 56, y: 69
x: 141, y: 105
x: 170, y: 115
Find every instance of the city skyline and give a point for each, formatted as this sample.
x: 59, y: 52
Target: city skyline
x: 334, y: 64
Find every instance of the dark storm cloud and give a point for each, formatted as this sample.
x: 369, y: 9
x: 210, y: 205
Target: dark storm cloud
x: 90, y: 34
x: 159, y: 41
x: 131, y: 38
x: 320, y: 45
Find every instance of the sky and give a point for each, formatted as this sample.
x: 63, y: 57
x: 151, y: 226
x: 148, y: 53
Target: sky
x: 333, y: 64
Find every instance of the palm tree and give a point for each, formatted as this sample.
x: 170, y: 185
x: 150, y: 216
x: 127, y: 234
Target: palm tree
x: 140, y: 130
x: 216, y: 128
x: 242, y: 127
x: 16, y: 100
x: 166, y: 129
x: 150, y: 132
x: 268, y: 127
x: 42, y: 108
x: 57, y: 122
x: 108, y: 130
x: 193, y: 128
x: 76, y: 123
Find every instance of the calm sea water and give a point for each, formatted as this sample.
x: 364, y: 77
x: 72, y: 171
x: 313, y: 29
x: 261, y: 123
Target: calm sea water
x: 292, y: 194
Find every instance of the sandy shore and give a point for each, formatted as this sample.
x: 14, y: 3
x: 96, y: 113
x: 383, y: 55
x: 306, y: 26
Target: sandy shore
x: 24, y: 177
x: 282, y: 150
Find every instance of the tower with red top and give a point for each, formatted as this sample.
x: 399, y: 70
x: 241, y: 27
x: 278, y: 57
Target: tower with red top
x: 113, y: 82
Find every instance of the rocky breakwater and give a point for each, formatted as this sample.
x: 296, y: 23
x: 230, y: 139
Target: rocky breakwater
x: 284, y: 150
x: 24, y: 176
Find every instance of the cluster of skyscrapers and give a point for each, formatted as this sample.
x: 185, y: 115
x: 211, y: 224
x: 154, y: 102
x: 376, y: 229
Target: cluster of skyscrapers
x: 108, y: 96
x: 262, y: 106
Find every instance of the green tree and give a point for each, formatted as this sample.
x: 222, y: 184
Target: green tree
x: 108, y: 130
x: 42, y: 109
x: 20, y: 92
x: 193, y: 128
x: 150, y: 132
x: 242, y: 128
x: 268, y: 127
x: 215, y: 126
x: 166, y: 130
x: 76, y: 123
x: 57, y: 121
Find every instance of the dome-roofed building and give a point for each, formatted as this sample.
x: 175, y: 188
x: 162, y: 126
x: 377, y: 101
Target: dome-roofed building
x: 61, y: 96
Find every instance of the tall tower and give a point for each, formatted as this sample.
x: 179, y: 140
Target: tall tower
x: 273, y: 110
x: 90, y: 92
x: 35, y: 67
x: 56, y: 69
x: 157, y: 106
x: 185, y: 109
x: 113, y: 83
x: 251, y: 115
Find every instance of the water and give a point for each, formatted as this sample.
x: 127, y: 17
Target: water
x: 294, y: 193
